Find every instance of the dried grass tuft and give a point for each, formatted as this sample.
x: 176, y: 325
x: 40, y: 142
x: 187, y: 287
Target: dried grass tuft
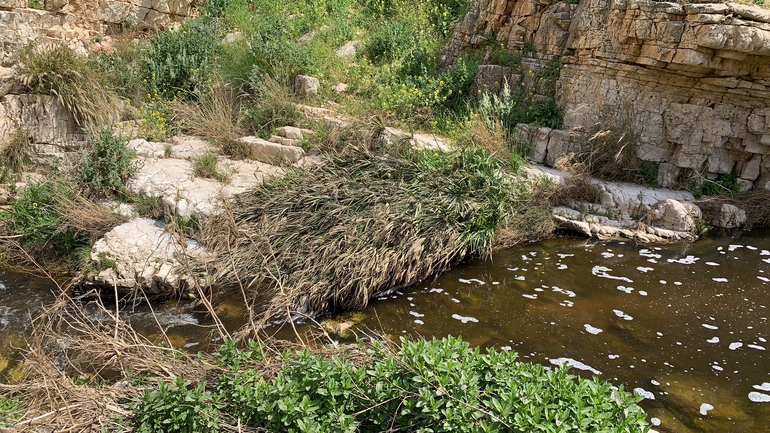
x: 216, y: 118
x: 84, y: 216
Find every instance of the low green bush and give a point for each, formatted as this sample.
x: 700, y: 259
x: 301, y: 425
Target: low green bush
x: 106, y: 164
x: 178, y: 63
x: 178, y: 408
x: 420, y: 385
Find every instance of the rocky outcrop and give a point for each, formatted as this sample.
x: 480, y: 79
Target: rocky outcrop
x: 691, y: 82
x: 627, y: 211
x: 141, y: 258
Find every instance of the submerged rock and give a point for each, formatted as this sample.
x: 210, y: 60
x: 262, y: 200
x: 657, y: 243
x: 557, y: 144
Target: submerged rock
x: 141, y: 257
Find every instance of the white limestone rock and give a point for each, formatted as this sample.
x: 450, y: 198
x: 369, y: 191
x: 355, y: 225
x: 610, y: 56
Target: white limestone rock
x: 140, y: 257
x: 674, y: 215
x: 272, y: 153
x: 306, y: 86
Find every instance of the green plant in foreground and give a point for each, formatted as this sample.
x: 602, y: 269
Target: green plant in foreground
x: 418, y: 385
x: 206, y: 166
x: 36, y: 4
x: 79, y: 87
x: 178, y: 407
x: 107, y: 163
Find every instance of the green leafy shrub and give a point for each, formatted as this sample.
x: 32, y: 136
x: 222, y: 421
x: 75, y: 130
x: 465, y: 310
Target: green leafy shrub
x: 38, y: 216
x: 157, y: 118
x: 77, y: 84
x: 107, y: 163
x: 438, y: 385
x: 389, y: 41
x: 511, y: 107
x: 177, y: 407
x: 176, y: 64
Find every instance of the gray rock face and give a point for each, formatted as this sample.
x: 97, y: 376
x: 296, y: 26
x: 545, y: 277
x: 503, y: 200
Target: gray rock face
x: 674, y: 215
x: 144, y: 258
x: 720, y: 214
x: 305, y: 85
x: 489, y: 78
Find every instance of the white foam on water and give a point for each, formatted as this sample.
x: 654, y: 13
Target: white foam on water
x: 437, y: 290
x: 758, y: 397
x: 532, y: 253
x: 707, y: 326
x: 689, y: 260
x: 472, y: 280
x: 766, y: 260
x: 736, y: 345
x: 643, y: 293
x: 764, y: 387
x: 519, y: 278
x: 566, y: 303
x: 720, y: 280
x: 465, y: 319
x: 592, y: 330
x: 410, y: 298
x: 717, y: 368
x: 455, y: 300
x: 513, y: 269
x: 662, y: 281
x: 625, y: 289
x: 538, y: 289
x: 611, y: 356
x: 752, y: 248
x: 533, y: 296
x: 647, y: 253
x: 762, y: 339
x: 601, y: 271
x: 765, y: 279
x: 754, y: 346
x: 608, y: 255
x: 712, y: 263
x: 654, y: 382
x: 655, y: 421
x: 764, y: 253
x: 644, y: 393
x: 506, y: 348
x: 734, y: 247
x: 677, y: 283
x: 569, y: 293
x: 652, y: 260
x: 561, y: 256
x: 574, y: 364
x: 416, y: 314
x: 622, y: 315
x: 659, y: 334
x: 419, y: 322
x: 644, y: 269
x: 525, y: 258
x: 713, y: 340
x: 561, y: 267
x: 704, y: 408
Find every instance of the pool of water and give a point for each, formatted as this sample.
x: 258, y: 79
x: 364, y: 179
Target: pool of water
x: 684, y: 325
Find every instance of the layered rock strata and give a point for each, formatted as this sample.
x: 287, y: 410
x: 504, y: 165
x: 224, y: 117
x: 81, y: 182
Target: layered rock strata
x: 691, y: 82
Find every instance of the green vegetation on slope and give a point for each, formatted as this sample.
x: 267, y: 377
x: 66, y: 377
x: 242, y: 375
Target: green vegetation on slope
x: 425, y: 386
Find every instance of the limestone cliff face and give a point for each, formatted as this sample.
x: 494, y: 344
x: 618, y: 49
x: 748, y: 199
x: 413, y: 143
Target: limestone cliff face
x: 692, y: 81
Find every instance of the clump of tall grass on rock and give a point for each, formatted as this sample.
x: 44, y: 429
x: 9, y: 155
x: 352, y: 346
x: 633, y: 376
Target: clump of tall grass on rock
x: 364, y: 222
x: 14, y: 154
x: 79, y: 87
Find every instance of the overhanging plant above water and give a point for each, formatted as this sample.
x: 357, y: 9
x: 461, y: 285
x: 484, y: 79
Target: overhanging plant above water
x: 364, y: 222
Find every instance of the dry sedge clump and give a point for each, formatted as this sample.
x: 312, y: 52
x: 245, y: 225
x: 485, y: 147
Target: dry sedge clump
x: 58, y: 71
x: 578, y: 184
x: 14, y: 154
x: 216, y: 118
x: 332, y: 236
x: 85, y: 216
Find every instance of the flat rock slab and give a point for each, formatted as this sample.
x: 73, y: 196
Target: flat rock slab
x: 183, y: 194
x: 140, y: 256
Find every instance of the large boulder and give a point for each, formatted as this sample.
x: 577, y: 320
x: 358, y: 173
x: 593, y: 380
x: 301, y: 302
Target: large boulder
x: 305, y: 85
x: 140, y: 258
x: 721, y: 214
x: 272, y: 153
x: 674, y: 215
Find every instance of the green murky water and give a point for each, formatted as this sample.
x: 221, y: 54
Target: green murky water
x: 684, y: 325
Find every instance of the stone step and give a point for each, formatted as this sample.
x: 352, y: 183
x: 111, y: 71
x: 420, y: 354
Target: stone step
x: 293, y: 132
x: 285, y: 141
x: 272, y: 153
